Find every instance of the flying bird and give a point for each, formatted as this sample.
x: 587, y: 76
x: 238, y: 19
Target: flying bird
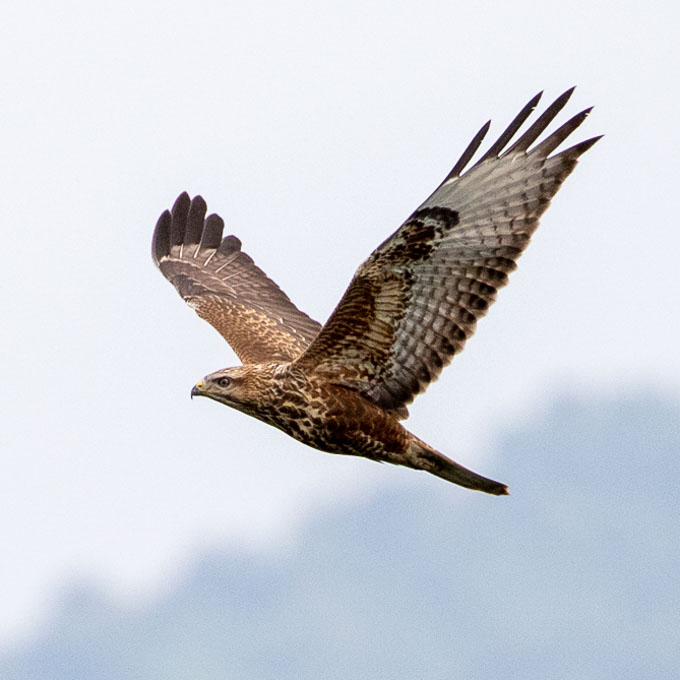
x: 345, y: 386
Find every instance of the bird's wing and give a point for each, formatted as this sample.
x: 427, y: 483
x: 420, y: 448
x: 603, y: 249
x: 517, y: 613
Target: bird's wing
x: 416, y: 300
x: 225, y: 287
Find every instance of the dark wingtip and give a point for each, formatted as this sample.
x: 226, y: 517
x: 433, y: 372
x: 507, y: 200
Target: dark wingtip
x: 549, y: 144
x: 181, y: 203
x: 468, y: 153
x: 194, y: 224
x: 160, y: 244
x: 534, y: 101
x: 580, y: 148
x: 567, y: 93
x: 174, y: 224
x: 230, y: 244
x: 212, y: 231
x: 528, y: 138
x: 510, y: 131
x: 562, y: 100
x: 180, y: 213
x: 199, y: 201
x: 589, y: 142
x: 186, y: 224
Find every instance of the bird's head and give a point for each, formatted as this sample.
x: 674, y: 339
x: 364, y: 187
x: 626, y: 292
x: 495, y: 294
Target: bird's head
x: 242, y: 387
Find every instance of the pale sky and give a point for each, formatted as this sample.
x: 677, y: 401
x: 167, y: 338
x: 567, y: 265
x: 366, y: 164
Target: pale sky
x: 314, y: 130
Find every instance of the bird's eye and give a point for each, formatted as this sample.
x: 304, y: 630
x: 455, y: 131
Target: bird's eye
x: 224, y: 381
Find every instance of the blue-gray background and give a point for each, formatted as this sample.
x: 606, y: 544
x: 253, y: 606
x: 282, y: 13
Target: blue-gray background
x: 575, y: 577
x: 142, y: 531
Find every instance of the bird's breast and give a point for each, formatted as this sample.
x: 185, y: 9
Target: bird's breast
x: 336, y: 419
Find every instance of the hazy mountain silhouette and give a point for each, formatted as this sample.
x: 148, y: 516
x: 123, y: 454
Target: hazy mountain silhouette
x: 576, y: 575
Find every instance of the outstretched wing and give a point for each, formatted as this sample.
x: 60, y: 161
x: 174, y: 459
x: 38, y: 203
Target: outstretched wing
x: 225, y: 287
x: 416, y: 300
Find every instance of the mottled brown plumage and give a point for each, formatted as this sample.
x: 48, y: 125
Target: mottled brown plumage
x: 409, y: 309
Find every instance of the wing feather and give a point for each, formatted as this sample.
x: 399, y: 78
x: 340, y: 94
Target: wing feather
x: 215, y: 277
x: 413, y: 304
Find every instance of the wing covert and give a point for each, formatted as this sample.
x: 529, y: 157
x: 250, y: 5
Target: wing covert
x: 225, y: 287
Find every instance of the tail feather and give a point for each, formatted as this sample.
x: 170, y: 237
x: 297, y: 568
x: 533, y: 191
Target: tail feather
x: 423, y: 457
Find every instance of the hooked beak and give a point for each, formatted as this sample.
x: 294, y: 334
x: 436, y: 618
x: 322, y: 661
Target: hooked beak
x: 197, y: 389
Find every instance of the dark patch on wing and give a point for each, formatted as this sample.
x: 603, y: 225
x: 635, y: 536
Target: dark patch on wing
x: 446, y: 217
x: 416, y: 238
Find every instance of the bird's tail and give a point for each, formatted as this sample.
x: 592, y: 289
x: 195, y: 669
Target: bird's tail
x: 424, y: 457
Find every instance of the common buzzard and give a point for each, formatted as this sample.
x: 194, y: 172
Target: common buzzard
x: 411, y: 306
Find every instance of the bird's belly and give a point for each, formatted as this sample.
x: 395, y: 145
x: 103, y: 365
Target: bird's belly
x: 346, y: 423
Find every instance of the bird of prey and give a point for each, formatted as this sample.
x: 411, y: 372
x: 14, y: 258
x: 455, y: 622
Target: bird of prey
x: 345, y: 386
